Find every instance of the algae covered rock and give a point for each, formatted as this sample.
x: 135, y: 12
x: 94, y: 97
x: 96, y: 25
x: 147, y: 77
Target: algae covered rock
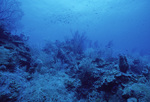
x: 132, y: 99
x: 11, y: 86
x: 137, y: 90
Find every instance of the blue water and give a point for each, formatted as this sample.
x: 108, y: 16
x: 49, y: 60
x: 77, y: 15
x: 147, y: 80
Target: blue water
x: 126, y: 22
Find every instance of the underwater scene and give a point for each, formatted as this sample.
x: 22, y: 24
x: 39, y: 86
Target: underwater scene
x: 74, y: 51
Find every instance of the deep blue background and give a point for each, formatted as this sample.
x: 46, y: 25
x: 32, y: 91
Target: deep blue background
x: 125, y: 22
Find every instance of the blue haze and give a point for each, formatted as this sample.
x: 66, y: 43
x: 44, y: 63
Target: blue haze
x: 125, y: 22
x: 115, y: 67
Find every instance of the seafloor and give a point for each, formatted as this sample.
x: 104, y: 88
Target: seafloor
x: 74, y: 70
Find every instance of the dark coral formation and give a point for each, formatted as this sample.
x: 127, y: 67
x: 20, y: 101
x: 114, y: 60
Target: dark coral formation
x: 123, y: 64
x: 13, y: 52
x: 68, y: 71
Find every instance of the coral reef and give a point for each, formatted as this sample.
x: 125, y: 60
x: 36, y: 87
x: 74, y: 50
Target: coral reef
x: 14, y: 52
x: 69, y: 71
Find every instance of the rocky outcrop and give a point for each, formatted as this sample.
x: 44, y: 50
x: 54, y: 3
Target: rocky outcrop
x: 14, y: 52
